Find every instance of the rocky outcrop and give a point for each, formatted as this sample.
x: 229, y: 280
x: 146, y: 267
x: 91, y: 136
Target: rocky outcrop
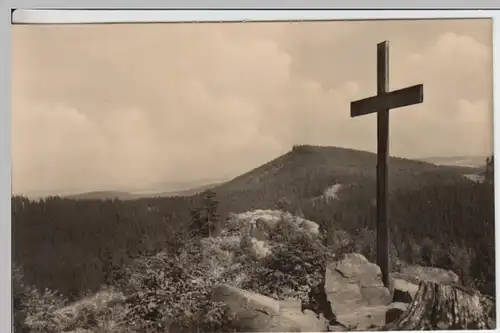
x: 352, y: 297
x: 354, y: 282
x: 357, y: 295
x: 360, y: 301
x: 251, y: 312
x: 261, y: 221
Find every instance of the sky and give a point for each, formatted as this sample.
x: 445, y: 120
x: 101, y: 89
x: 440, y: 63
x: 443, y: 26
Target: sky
x: 115, y: 106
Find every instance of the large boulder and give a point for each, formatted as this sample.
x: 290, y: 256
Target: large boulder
x: 356, y: 292
x: 354, y: 282
x: 251, y: 312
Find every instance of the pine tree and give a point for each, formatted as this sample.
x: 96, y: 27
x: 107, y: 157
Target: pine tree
x: 206, y: 220
x: 212, y: 218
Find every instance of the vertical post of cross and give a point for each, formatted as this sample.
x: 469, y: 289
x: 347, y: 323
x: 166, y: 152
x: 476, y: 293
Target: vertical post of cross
x: 383, y: 236
x: 381, y: 103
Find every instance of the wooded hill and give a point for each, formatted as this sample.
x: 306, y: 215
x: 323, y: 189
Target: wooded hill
x: 438, y: 217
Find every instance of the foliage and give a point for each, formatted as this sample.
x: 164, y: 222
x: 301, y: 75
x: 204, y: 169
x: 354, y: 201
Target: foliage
x: 172, y: 291
x: 206, y: 220
x: 33, y: 309
x: 297, y: 261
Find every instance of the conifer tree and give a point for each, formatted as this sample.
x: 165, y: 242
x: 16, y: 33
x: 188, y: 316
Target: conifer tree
x: 212, y: 217
x: 206, y: 220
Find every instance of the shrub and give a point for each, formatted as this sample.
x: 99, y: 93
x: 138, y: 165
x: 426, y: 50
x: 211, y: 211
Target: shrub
x: 49, y: 311
x: 172, y: 291
x: 297, y: 261
x: 40, y: 310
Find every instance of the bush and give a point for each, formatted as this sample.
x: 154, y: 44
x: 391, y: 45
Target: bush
x: 34, y: 310
x: 297, y: 261
x: 40, y: 310
x: 49, y: 311
x: 172, y: 291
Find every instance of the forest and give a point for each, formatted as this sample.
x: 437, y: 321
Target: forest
x: 438, y: 217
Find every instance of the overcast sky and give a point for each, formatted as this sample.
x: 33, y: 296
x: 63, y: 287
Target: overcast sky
x: 105, y: 106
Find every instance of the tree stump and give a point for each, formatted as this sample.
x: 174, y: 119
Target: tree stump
x: 446, y: 307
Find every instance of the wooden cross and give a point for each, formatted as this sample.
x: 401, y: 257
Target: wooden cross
x: 381, y: 104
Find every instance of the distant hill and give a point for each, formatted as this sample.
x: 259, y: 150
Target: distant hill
x: 177, y: 186
x: 341, y: 163
x: 188, y: 192
x: 102, y: 195
x: 164, y: 189
x: 307, y: 171
x: 466, y: 161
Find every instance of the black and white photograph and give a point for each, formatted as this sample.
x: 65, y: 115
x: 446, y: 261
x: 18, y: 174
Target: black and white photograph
x: 301, y: 176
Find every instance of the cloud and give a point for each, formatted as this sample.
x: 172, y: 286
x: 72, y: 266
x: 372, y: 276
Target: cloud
x: 101, y: 106
x: 455, y: 65
x: 456, y: 116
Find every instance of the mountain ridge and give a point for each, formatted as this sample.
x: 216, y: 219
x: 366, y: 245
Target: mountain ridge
x: 307, y: 171
x: 301, y: 158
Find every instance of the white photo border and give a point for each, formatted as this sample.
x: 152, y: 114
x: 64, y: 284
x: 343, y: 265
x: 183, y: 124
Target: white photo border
x: 358, y: 10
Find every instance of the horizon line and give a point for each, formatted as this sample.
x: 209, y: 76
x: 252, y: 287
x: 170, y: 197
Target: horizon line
x: 110, y: 189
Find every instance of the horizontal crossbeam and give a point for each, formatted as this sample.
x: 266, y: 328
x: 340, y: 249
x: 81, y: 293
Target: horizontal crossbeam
x: 390, y: 100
